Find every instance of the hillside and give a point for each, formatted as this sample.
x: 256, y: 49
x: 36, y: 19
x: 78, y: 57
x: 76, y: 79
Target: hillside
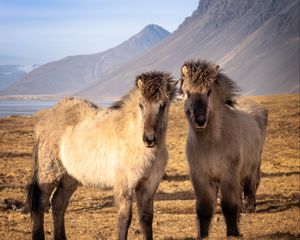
x: 9, y: 74
x: 256, y: 42
x: 73, y: 73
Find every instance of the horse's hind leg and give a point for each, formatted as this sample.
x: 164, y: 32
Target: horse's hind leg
x: 41, y: 196
x: 250, y: 187
x: 38, y: 194
x: 60, y: 201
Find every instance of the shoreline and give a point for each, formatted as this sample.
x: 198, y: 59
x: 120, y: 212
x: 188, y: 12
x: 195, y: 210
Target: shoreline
x: 55, y: 97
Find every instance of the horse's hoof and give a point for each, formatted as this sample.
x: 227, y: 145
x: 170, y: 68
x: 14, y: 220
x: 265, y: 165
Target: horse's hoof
x: 235, y: 236
x: 248, y: 209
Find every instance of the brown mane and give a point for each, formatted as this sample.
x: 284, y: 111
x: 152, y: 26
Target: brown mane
x: 119, y: 104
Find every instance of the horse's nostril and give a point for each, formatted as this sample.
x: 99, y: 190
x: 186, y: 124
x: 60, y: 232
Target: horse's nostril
x: 149, y: 139
x: 200, y: 121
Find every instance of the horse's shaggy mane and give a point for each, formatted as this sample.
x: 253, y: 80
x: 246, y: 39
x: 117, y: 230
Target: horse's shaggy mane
x: 228, y: 90
x: 156, y: 86
x: 203, y: 74
x: 119, y: 104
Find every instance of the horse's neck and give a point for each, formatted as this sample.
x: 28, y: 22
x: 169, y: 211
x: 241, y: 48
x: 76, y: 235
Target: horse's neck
x: 129, y: 118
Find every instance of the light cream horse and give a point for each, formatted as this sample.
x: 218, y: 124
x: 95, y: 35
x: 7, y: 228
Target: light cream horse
x: 224, y: 144
x: 122, y: 147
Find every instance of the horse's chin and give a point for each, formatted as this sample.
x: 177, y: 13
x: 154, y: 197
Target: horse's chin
x: 199, y: 127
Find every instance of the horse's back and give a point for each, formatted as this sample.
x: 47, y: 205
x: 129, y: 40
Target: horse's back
x: 52, y: 123
x: 67, y: 112
x: 257, y: 111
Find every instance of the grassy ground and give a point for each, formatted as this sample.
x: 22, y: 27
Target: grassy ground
x: 91, y: 214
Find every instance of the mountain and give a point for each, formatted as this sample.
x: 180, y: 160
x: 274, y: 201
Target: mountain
x: 11, y: 73
x: 255, y: 42
x: 75, y: 72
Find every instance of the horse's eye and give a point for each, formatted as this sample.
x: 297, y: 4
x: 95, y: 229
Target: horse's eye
x: 141, y: 106
x: 208, y: 93
x: 188, y: 93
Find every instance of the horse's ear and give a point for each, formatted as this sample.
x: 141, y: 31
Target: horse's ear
x: 217, y: 70
x: 139, y: 83
x: 184, y: 70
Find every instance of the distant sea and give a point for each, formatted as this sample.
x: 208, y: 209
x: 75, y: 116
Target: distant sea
x: 28, y: 107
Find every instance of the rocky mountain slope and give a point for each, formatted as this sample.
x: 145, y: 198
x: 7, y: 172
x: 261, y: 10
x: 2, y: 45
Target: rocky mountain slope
x: 256, y: 43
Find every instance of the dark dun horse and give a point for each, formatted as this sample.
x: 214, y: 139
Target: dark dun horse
x: 224, y: 144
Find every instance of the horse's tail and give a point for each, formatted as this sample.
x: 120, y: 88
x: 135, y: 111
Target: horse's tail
x: 261, y: 117
x: 33, y: 188
x: 264, y: 121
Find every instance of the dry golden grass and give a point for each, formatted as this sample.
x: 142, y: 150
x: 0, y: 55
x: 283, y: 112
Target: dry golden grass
x: 91, y: 214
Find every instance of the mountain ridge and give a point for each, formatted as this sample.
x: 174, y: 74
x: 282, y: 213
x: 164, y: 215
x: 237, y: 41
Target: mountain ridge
x: 74, y: 72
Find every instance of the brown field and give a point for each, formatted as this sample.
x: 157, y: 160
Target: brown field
x: 91, y: 214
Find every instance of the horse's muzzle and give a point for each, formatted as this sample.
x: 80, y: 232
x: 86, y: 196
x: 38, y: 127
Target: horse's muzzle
x: 149, y: 140
x: 200, y: 122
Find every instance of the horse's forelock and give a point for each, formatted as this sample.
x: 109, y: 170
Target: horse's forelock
x: 201, y: 74
x: 204, y: 74
x: 157, y: 86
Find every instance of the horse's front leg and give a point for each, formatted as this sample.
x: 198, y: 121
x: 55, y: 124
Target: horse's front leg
x: 144, y: 199
x: 231, y: 204
x: 206, y: 194
x: 124, y: 215
x: 41, y: 197
x: 145, y: 193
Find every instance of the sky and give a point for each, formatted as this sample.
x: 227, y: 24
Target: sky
x: 47, y: 30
